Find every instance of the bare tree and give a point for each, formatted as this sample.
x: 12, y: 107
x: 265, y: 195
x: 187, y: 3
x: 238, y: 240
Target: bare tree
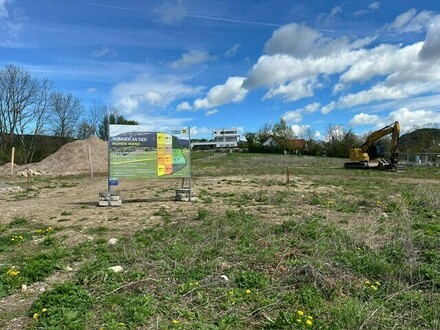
x: 96, y: 115
x: 66, y: 111
x: 23, y: 108
x: 264, y: 132
x: 85, y: 130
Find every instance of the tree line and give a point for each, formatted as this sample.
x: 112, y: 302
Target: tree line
x: 32, y: 109
x: 337, y: 142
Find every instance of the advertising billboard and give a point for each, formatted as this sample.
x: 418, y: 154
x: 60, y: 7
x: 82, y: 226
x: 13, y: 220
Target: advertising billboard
x: 135, y: 152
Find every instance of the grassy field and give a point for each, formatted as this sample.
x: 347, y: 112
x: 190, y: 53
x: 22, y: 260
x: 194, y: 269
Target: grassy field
x: 325, y: 248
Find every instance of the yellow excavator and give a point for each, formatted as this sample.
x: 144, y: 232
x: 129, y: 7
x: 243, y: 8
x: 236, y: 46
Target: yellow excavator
x: 366, y: 156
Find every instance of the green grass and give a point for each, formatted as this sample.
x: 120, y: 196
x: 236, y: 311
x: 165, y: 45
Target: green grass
x: 335, y: 249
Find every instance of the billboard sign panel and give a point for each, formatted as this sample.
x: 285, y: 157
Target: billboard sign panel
x: 135, y: 152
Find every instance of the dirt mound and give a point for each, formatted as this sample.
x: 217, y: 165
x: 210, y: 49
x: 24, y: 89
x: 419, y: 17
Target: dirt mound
x: 72, y: 158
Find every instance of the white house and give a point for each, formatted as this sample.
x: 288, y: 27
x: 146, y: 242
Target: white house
x: 222, y: 138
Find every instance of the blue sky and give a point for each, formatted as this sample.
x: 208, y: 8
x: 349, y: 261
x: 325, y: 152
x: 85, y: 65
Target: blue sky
x: 221, y: 63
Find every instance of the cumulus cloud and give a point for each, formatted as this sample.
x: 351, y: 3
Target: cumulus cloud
x: 231, y: 91
x: 183, y: 106
x: 302, y: 41
x: 364, y: 119
x: 92, y: 90
x: 431, y: 46
x: 150, y: 92
x: 292, y: 116
x: 171, y: 12
x: 406, y: 117
x: 410, y: 118
x: 299, y: 61
x: 295, y: 116
x: 191, y: 58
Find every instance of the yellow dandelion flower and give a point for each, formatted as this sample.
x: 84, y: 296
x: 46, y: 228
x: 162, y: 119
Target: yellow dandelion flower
x: 300, y: 313
x: 310, y: 317
x: 176, y: 322
x: 309, y: 322
x: 197, y: 283
x: 35, y: 316
x: 248, y: 291
x: 377, y: 283
x: 298, y: 320
x: 367, y: 282
x: 38, y: 231
x: 44, y: 310
x: 12, y: 272
x: 374, y: 287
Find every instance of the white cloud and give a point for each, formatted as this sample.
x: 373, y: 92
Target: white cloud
x: 302, y: 41
x: 406, y: 117
x: 403, y: 19
x: 231, y: 91
x: 192, y: 58
x: 211, y: 112
x: 410, y: 21
x: 292, y: 116
x: 295, y: 116
x: 431, y: 46
x: 201, y: 131
x: 103, y: 52
x: 312, y: 107
x: 172, y: 12
x: 328, y: 108
x: 231, y: 52
x: 293, y: 90
x: 92, y: 90
x: 374, y: 5
x: 159, y: 123
x: 150, y: 92
x: 364, y: 119
x: 183, y: 106
x: 410, y: 118
x: 300, y: 130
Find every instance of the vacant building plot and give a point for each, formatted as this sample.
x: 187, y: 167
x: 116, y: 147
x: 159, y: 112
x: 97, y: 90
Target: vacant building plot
x: 322, y: 248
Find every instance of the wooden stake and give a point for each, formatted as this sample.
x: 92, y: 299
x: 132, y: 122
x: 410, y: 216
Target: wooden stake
x: 288, y: 176
x: 12, y: 161
x: 90, y: 161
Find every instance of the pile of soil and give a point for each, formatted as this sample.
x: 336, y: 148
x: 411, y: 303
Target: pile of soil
x: 72, y: 158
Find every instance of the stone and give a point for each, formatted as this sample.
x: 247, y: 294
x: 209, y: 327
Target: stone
x: 112, y: 241
x: 116, y: 269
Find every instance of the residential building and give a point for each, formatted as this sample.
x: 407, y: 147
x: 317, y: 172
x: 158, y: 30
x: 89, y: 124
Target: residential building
x: 222, y: 138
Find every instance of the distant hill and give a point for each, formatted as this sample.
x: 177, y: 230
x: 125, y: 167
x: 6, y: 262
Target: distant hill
x: 421, y: 140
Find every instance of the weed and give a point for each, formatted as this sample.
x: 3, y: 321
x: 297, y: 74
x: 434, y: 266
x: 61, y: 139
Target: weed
x: 66, y: 306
